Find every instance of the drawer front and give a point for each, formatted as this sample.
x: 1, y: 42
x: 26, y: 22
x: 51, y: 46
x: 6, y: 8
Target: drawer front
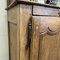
x: 37, y: 10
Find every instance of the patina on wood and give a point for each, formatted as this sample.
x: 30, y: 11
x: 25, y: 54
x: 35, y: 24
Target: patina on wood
x: 41, y: 47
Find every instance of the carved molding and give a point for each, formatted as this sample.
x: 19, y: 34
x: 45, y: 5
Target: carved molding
x: 47, y: 25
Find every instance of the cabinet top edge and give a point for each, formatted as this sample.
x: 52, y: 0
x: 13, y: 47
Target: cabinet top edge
x: 14, y: 3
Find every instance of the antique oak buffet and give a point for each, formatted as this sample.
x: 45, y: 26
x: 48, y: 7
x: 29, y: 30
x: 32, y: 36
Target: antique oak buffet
x: 33, y: 31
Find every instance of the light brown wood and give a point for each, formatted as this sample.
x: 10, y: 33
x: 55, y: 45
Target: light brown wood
x: 12, y: 15
x: 18, y: 32
x: 34, y: 40
x: 13, y: 41
x: 58, y: 45
x: 11, y: 1
x: 45, y: 47
x: 25, y: 14
x: 48, y: 48
x: 46, y: 11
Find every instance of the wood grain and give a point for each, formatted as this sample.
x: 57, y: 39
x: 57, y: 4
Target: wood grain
x: 35, y: 40
x: 13, y: 41
x: 42, y: 47
x: 25, y: 14
x: 58, y: 46
x: 48, y: 48
x: 12, y: 15
x: 18, y: 32
x: 46, y: 11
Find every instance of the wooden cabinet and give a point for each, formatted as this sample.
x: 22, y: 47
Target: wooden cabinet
x: 32, y: 31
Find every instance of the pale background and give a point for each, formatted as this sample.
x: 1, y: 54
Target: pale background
x: 4, y: 55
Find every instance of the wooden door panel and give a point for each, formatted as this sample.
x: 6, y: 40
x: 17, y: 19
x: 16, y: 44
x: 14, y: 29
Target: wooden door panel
x: 48, y: 48
x: 45, y: 47
x: 34, y: 41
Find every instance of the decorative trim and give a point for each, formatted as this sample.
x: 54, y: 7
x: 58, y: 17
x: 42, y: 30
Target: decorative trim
x: 30, y: 3
x: 47, y: 30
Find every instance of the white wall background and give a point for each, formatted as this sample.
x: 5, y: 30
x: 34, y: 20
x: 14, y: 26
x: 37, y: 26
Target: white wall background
x: 40, y: 1
x: 58, y: 3
x: 3, y: 32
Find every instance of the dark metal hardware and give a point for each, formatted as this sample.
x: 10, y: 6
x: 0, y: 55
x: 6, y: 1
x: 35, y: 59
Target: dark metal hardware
x: 29, y: 28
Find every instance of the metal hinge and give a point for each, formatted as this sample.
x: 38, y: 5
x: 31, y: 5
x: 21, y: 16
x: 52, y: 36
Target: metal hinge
x: 29, y: 34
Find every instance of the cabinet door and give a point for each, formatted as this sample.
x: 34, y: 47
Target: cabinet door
x: 25, y: 14
x: 45, y: 45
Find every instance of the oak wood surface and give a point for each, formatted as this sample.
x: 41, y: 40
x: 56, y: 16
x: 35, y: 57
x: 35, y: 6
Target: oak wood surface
x: 13, y: 20
x: 44, y: 47
x: 12, y: 15
x: 34, y: 40
x: 13, y: 41
x: 37, y: 10
x: 16, y: 2
x: 18, y: 32
x: 25, y: 14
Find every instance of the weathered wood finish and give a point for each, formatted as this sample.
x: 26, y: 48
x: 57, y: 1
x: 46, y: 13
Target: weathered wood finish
x: 13, y: 41
x: 13, y: 27
x: 42, y: 47
x: 25, y: 14
x: 11, y: 1
x: 34, y: 40
x: 12, y: 15
x: 37, y: 10
x: 49, y: 48
x: 16, y: 2
x: 20, y: 20
x: 18, y: 32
